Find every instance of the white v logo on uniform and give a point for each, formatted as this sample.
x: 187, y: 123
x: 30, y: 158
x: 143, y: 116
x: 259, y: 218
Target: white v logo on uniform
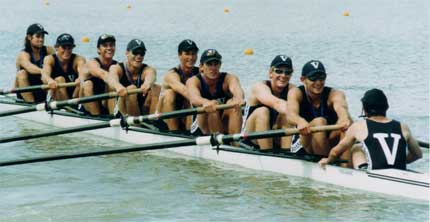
x: 390, y: 156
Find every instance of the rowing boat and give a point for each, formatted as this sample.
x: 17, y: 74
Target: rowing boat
x: 394, y: 182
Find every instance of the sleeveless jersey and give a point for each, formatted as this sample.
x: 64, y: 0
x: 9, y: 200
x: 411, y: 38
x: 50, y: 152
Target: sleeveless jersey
x: 219, y: 94
x: 309, y: 112
x: 385, y: 146
x: 180, y: 100
x: 99, y: 86
x: 126, y: 77
x: 70, y: 75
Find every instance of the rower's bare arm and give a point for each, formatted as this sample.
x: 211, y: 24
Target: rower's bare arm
x: 235, y: 88
x: 415, y: 152
x: 173, y: 81
x: 264, y: 96
x: 81, y: 68
x: 113, y: 79
x: 23, y: 60
x: 95, y: 70
x: 338, y: 99
x: 46, y: 71
x: 293, y: 107
x: 344, y: 144
x: 150, y: 75
x: 193, y: 87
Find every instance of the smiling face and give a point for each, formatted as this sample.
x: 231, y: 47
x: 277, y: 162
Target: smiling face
x: 314, y: 83
x: 188, y: 59
x: 135, y: 57
x: 106, y: 50
x: 64, y: 52
x: 280, y: 76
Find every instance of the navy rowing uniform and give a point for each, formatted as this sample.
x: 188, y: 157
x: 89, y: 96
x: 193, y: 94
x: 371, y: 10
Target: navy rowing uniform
x: 126, y: 80
x: 180, y: 100
x: 309, y: 112
x: 99, y: 86
x: 36, y: 79
x: 70, y: 75
x: 385, y: 146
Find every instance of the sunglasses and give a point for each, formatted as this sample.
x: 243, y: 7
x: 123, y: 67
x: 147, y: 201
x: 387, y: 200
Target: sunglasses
x: 67, y: 47
x: 317, y: 76
x: 283, y: 71
x: 213, y: 63
x: 138, y: 52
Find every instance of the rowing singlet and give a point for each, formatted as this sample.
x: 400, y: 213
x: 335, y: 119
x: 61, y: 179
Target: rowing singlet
x: 38, y: 63
x: 309, y: 112
x: 126, y: 76
x: 180, y: 100
x: 70, y: 75
x: 273, y: 113
x: 385, y: 146
x: 99, y: 85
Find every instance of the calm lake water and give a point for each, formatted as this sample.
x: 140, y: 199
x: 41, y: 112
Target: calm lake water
x: 382, y: 44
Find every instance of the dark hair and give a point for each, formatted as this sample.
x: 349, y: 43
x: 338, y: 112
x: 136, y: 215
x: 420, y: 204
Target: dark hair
x: 27, y: 44
x: 375, y: 103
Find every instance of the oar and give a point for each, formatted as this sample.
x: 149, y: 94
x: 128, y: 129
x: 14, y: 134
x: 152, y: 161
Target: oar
x: 423, y: 144
x: 58, y: 104
x: 34, y: 88
x: 212, y: 140
x: 115, y: 122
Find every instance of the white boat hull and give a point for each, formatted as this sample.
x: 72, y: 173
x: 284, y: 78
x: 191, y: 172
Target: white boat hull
x: 389, y: 181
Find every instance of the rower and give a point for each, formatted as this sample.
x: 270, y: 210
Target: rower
x: 29, y: 63
x: 174, y: 92
x: 314, y: 104
x: 98, y: 72
x: 210, y: 88
x: 63, y: 66
x: 383, y: 142
x: 266, y: 106
x: 133, y: 74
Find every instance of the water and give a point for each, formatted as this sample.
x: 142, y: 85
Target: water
x: 381, y: 44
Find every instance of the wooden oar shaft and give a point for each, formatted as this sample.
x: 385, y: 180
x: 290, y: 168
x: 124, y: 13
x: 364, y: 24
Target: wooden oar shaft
x: 17, y: 111
x: 56, y: 132
x: 35, y: 88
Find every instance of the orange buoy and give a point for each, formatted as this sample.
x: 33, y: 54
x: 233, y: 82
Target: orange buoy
x: 226, y: 10
x: 46, y: 2
x: 85, y: 39
x: 248, y: 51
x: 345, y: 13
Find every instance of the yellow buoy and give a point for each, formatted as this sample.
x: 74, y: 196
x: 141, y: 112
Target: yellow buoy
x: 345, y: 13
x: 248, y: 51
x: 85, y: 39
x: 46, y: 2
x: 226, y: 10
x: 129, y: 6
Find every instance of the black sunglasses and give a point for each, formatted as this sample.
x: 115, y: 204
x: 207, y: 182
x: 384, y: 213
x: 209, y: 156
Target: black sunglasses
x: 138, y: 52
x: 317, y: 76
x: 213, y: 63
x: 283, y: 71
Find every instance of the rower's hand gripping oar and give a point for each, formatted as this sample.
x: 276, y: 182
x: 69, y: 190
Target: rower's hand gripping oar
x: 124, y: 122
x: 34, y: 88
x: 213, y: 140
x: 47, y: 106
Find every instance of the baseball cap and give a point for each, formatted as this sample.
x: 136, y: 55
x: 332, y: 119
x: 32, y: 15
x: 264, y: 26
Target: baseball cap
x: 210, y: 55
x: 374, y: 101
x: 36, y: 28
x: 105, y: 38
x: 282, y: 60
x: 187, y: 45
x: 65, y: 39
x: 313, y: 67
x: 136, y: 44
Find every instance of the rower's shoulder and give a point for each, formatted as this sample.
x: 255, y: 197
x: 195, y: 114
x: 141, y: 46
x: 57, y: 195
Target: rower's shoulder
x: 50, y: 50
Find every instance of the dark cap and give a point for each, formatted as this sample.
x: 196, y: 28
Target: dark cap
x: 135, y: 44
x: 36, y: 28
x: 187, y: 45
x: 65, y: 39
x: 105, y: 38
x: 282, y: 60
x: 375, y: 102
x: 312, y: 67
x: 210, y: 55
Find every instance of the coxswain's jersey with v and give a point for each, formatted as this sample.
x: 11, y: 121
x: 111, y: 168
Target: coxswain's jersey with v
x: 385, y: 145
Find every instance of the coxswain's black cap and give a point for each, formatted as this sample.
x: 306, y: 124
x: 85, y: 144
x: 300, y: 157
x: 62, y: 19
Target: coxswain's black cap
x: 36, y: 28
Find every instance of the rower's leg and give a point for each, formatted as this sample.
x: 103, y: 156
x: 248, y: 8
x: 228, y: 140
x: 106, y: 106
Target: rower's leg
x: 202, y: 122
x: 232, y: 119
x: 88, y: 90
x: 131, y: 103
x: 281, y: 123
x: 167, y: 104
x: 259, y: 121
x: 319, y: 140
x: 60, y: 93
x: 111, y: 103
x: 358, y: 156
x: 22, y: 81
x: 210, y: 123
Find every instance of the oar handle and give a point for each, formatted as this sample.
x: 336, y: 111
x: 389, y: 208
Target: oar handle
x: 61, y: 85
